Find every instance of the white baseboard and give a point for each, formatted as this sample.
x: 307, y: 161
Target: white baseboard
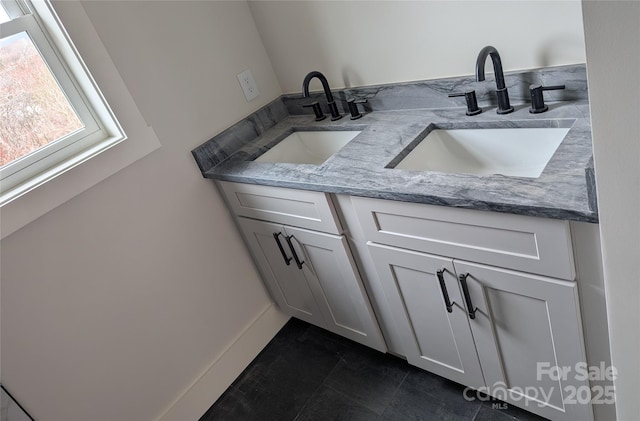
x: 198, y: 397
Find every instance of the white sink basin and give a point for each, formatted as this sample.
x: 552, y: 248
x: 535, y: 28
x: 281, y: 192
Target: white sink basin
x: 518, y: 152
x: 308, y: 147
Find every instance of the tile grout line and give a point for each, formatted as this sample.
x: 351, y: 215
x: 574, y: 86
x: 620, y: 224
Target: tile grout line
x: 322, y: 383
x: 353, y: 400
x: 477, y: 412
x: 307, y: 402
x: 395, y: 392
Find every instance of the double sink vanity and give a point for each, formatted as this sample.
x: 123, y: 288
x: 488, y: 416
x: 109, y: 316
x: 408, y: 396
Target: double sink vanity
x: 447, y: 239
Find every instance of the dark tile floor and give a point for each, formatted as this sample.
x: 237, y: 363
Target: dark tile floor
x: 307, y: 373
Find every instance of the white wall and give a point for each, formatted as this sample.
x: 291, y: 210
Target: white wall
x: 115, y: 302
x: 612, y: 31
x: 357, y: 43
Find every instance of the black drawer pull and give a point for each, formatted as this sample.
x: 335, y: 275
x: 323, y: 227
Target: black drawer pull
x: 287, y: 260
x: 445, y: 293
x: 293, y: 251
x: 467, y: 297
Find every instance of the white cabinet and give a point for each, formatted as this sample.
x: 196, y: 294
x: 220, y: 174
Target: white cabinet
x: 523, y: 322
x: 503, y: 324
x: 436, y: 336
x: 310, y: 274
x: 488, y: 300
x: 287, y: 284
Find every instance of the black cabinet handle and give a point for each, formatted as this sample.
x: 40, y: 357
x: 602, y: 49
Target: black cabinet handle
x: 445, y: 293
x: 293, y: 251
x: 467, y: 297
x: 287, y: 260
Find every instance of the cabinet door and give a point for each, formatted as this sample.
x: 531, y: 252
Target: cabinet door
x: 522, y: 321
x: 434, y: 338
x: 334, y: 278
x: 288, y: 286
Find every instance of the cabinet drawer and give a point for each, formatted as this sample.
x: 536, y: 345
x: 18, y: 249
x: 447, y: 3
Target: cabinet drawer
x: 299, y: 208
x: 530, y: 244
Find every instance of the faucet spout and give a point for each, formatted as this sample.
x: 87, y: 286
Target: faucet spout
x: 322, y: 79
x: 504, y: 106
x: 335, y: 114
x: 497, y: 65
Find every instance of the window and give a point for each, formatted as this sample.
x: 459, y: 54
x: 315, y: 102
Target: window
x: 52, y: 115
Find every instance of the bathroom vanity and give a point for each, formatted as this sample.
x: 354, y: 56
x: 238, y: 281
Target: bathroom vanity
x: 519, y: 305
x: 479, y: 278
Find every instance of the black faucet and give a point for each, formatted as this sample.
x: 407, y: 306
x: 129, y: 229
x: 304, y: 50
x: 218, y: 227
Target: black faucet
x: 333, y: 108
x: 504, y: 107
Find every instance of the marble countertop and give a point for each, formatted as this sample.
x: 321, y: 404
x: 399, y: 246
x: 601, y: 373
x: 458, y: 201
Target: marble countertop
x: 564, y: 190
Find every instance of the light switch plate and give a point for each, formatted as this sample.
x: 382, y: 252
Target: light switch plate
x: 248, y: 85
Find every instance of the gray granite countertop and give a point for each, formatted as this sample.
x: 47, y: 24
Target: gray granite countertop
x: 359, y: 168
x: 564, y: 190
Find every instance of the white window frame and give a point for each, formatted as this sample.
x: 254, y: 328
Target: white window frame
x: 101, y: 129
x: 142, y: 142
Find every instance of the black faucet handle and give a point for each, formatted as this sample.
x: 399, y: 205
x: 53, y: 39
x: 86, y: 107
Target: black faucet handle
x: 317, y: 110
x: 537, y: 100
x: 352, y: 103
x: 472, y: 101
